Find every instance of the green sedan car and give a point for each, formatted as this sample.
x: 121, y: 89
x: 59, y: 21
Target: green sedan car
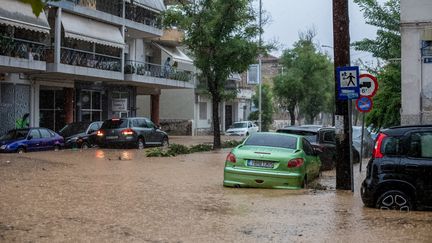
x: 272, y: 160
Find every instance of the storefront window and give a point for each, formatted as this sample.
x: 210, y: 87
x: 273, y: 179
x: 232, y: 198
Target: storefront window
x: 91, y: 105
x: 51, y: 107
x: 120, y: 104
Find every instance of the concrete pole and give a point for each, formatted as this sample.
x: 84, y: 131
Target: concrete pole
x: 57, y: 37
x: 259, y: 72
x: 341, y: 44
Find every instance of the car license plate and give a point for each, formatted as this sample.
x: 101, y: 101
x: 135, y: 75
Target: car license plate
x: 260, y: 163
x: 111, y: 137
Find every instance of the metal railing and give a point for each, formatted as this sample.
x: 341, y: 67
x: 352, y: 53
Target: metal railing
x: 113, y: 7
x: 19, y: 48
x: 81, y: 58
x: 155, y: 70
x: 142, y: 15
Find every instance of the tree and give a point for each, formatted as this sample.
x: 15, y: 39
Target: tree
x: 221, y: 35
x: 37, y: 5
x: 266, y: 107
x: 386, y: 46
x: 308, y: 80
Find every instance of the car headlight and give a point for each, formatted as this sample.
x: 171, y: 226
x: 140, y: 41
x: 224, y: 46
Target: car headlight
x: 3, y: 146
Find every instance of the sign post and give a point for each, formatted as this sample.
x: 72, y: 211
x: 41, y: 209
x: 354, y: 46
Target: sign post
x: 364, y: 104
x: 348, y: 89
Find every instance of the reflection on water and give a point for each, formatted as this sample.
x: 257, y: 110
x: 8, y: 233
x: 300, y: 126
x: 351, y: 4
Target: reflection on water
x: 100, y: 154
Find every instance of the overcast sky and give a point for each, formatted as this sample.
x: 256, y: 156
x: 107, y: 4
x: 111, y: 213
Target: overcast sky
x: 288, y: 17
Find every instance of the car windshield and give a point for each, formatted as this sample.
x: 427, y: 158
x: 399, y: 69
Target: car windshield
x: 272, y: 140
x: 115, y: 123
x: 74, y: 128
x: 15, y: 134
x: 310, y: 136
x: 239, y: 125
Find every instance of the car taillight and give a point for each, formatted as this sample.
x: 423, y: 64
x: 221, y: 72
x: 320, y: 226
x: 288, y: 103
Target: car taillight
x: 127, y: 132
x: 377, y: 149
x: 295, y: 163
x: 231, y: 158
x: 99, y: 133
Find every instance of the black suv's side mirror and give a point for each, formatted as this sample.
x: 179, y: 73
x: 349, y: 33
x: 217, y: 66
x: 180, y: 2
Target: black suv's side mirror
x: 91, y: 131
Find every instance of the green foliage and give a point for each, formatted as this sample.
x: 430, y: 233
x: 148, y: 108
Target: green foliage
x: 37, y: 5
x: 231, y: 143
x: 387, y: 46
x: 176, y: 149
x: 266, y: 107
x: 158, y: 152
x: 308, y: 81
x: 221, y: 36
x: 200, y: 148
x: 387, y: 101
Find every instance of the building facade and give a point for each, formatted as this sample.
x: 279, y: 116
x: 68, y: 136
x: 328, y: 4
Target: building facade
x: 416, y: 33
x: 85, y: 60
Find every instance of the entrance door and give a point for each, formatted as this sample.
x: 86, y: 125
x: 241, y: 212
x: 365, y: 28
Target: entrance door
x: 51, y: 108
x: 228, y: 116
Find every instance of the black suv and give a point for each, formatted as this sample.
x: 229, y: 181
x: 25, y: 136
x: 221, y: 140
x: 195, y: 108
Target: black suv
x: 80, y: 134
x: 323, y: 140
x: 133, y: 131
x: 399, y: 174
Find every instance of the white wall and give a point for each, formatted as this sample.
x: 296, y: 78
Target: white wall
x: 416, y: 10
x: 416, y: 17
x: 177, y: 104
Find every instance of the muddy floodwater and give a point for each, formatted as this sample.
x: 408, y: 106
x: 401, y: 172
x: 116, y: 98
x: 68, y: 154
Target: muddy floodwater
x: 122, y: 196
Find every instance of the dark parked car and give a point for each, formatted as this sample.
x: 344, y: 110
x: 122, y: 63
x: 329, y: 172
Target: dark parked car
x: 399, y: 174
x: 30, y: 139
x: 138, y: 132
x: 80, y: 134
x: 368, y: 141
x: 323, y: 140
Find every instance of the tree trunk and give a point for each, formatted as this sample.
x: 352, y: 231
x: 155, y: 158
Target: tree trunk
x: 292, y: 115
x: 216, y: 125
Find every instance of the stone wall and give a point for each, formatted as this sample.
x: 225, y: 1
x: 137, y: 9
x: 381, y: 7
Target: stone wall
x: 176, y: 126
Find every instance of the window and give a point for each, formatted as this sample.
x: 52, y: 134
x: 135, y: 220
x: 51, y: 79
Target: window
x: 94, y: 127
x: 329, y: 137
x: 390, y: 146
x: 139, y: 123
x: 34, y: 133
x: 307, y: 148
x: 51, y: 107
x: 122, y: 97
x: 150, y: 124
x: 272, y: 140
x: 420, y: 145
x: 203, y: 110
x: 91, y: 105
x: 45, y: 133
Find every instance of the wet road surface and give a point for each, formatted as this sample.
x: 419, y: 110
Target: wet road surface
x: 122, y: 196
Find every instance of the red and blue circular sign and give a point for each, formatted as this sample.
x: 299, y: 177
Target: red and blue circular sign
x: 364, y: 104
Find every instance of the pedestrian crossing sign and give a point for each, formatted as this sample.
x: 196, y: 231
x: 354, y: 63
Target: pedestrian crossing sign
x: 348, y: 83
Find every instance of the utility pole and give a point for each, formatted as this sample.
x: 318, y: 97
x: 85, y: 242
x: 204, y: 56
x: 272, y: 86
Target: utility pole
x: 341, y: 39
x: 259, y: 70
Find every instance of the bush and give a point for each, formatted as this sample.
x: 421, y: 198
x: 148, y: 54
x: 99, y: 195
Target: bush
x: 200, y: 148
x: 231, y: 143
x: 158, y: 152
x: 177, y: 149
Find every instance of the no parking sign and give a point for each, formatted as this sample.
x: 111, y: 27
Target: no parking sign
x: 368, y: 88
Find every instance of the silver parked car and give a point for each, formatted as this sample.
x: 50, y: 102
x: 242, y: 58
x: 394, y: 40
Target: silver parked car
x: 368, y: 142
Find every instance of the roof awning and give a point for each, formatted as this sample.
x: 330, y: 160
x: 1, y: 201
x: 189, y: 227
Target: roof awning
x: 80, y: 28
x: 20, y: 15
x: 427, y: 35
x: 152, y: 5
x: 175, y: 53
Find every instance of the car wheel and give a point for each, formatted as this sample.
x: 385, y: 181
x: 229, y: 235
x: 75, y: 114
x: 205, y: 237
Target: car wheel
x: 305, y: 183
x: 394, y: 200
x: 165, y: 142
x: 21, y: 150
x: 85, y: 146
x: 56, y: 147
x: 140, y: 143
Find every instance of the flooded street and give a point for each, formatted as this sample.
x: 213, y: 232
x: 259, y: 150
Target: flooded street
x: 122, y: 196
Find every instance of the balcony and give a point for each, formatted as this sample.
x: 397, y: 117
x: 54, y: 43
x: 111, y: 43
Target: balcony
x: 86, y: 65
x: 172, y: 37
x: 18, y: 55
x: 106, y: 6
x: 154, y: 74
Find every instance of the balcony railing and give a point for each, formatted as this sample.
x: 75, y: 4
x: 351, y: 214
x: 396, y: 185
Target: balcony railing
x: 155, y: 70
x: 142, y: 15
x: 113, y: 7
x: 81, y: 58
x: 19, y: 48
